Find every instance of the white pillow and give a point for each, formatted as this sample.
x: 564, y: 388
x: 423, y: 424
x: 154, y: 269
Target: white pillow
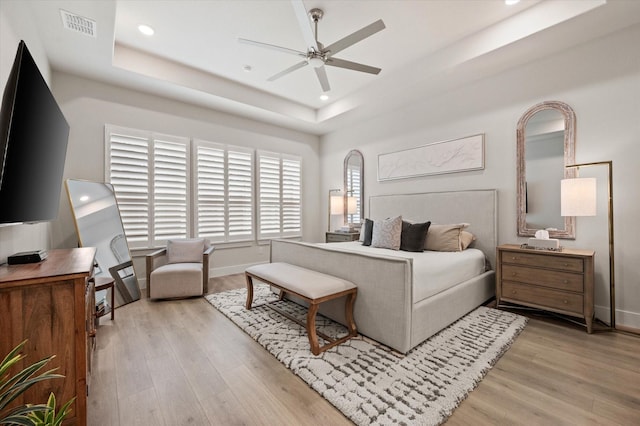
x: 185, y: 250
x: 387, y: 233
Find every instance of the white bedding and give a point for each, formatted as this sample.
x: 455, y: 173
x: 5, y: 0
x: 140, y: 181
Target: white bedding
x: 433, y: 271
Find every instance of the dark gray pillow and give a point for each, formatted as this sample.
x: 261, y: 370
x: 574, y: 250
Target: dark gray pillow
x: 367, y: 229
x: 413, y: 236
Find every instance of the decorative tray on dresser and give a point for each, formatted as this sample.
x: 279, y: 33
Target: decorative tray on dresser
x: 555, y: 281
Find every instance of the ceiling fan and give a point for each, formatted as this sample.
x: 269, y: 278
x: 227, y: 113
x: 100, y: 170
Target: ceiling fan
x: 317, y: 55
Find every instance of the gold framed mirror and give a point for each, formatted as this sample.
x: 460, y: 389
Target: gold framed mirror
x: 354, y: 187
x: 545, y: 145
x: 98, y: 223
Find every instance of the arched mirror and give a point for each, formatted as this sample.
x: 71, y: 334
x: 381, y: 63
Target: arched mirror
x: 98, y: 223
x: 546, y: 144
x: 354, y: 187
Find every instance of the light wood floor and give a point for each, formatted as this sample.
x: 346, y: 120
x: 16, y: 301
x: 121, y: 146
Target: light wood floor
x: 184, y: 363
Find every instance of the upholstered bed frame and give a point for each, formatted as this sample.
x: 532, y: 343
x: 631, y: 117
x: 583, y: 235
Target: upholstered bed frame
x: 384, y: 309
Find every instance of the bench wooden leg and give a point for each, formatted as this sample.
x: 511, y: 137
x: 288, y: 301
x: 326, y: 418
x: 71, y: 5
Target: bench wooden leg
x: 249, y: 291
x: 348, y: 314
x: 311, y: 328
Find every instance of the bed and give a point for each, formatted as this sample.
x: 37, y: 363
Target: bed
x: 394, y: 305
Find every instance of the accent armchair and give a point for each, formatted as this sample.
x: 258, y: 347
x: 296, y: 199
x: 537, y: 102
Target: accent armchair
x: 180, y: 270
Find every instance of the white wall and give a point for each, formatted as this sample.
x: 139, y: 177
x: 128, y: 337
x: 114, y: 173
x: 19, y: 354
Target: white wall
x: 17, y: 238
x: 599, y: 80
x: 88, y: 105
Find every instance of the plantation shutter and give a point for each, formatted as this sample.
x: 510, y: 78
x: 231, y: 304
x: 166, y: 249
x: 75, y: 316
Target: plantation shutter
x: 279, y: 194
x: 128, y: 171
x: 240, y: 194
x: 170, y: 188
x: 224, y: 192
x: 291, y: 211
x: 149, y: 173
x: 354, y: 182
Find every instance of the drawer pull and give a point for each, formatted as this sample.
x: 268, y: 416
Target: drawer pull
x: 566, y: 281
x: 514, y: 292
x: 565, y: 302
x: 514, y: 258
x: 513, y: 274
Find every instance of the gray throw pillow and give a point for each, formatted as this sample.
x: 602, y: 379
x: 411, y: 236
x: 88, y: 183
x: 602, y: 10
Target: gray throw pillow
x: 413, y: 236
x: 387, y: 233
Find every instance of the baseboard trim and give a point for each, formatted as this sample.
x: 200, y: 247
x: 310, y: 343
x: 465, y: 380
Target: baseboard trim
x: 624, y: 319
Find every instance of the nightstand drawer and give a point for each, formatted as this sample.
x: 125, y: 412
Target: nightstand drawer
x: 543, y: 297
x: 341, y: 237
x: 544, y: 260
x: 543, y: 277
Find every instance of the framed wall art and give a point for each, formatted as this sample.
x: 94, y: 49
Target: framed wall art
x: 451, y: 156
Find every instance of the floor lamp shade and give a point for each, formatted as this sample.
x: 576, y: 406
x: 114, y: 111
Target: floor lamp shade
x: 578, y: 197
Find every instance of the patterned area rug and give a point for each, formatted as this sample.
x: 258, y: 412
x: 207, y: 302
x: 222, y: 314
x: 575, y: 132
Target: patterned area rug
x: 367, y: 381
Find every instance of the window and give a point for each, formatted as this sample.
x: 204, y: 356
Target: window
x: 150, y: 175
x: 279, y: 195
x: 223, y: 192
x: 171, y: 187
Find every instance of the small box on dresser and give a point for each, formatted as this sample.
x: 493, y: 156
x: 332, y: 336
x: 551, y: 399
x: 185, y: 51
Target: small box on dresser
x: 556, y: 281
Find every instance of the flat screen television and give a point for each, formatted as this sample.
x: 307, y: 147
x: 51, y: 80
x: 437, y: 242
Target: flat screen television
x: 33, y: 145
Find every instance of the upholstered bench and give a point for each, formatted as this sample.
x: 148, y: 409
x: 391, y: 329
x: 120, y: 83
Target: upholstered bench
x: 312, y: 287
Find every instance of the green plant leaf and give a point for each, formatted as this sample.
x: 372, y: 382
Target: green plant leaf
x: 11, y: 387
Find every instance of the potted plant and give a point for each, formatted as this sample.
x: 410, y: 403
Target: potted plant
x: 11, y: 387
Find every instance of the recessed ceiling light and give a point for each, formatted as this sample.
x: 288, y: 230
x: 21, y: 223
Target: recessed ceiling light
x: 324, y: 97
x: 146, y: 30
x: 84, y: 198
x: 511, y: 2
x: 247, y: 68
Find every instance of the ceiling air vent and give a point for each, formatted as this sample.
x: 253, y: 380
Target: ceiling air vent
x: 78, y: 23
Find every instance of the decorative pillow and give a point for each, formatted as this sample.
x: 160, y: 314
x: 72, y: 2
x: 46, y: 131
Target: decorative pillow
x: 444, y: 237
x: 413, y: 236
x: 387, y: 233
x: 185, y: 250
x: 466, y: 238
x: 367, y: 231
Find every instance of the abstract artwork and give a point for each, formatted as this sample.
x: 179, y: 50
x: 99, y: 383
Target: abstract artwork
x: 456, y: 155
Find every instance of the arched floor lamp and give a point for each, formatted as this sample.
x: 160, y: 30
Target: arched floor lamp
x: 578, y: 198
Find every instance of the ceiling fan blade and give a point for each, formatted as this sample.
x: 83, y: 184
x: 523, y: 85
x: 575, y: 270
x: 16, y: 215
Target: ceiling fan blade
x: 305, y: 24
x: 273, y: 47
x: 353, y: 38
x: 341, y: 63
x: 322, y: 78
x: 288, y: 70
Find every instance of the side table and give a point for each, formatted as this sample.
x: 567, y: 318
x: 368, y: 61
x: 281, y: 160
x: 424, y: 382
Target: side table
x: 105, y: 283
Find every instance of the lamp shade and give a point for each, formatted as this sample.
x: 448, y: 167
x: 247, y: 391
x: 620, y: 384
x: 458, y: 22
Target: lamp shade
x: 578, y: 197
x: 337, y: 204
x: 352, y: 205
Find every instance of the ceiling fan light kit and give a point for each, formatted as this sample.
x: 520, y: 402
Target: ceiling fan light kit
x: 317, y: 55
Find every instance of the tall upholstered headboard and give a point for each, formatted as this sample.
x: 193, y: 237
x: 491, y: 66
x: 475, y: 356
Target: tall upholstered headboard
x: 479, y: 208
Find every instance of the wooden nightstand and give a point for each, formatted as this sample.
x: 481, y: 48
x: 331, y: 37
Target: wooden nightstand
x: 341, y: 237
x: 555, y: 281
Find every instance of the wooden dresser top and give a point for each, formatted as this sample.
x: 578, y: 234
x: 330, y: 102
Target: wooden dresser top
x: 73, y: 263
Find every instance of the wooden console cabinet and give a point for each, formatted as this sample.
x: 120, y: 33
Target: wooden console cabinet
x: 560, y: 282
x: 51, y: 304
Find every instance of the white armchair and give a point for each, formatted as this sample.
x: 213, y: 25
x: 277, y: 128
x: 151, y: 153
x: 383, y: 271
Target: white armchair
x: 179, y: 270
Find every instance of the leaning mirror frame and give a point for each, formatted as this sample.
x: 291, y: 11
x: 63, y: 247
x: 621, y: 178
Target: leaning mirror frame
x: 569, y: 158
x: 98, y: 223
x: 354, y: 174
